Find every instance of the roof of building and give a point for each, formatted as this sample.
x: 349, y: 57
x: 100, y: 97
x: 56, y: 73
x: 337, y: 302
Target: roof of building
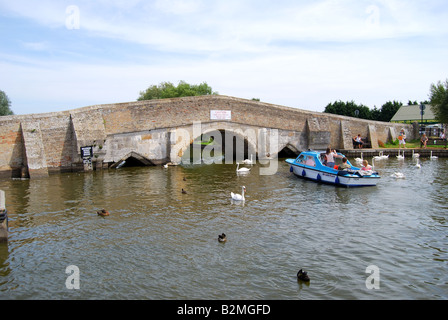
x: 412, y: 113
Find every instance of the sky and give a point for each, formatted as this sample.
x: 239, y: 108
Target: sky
x: 62, y: 55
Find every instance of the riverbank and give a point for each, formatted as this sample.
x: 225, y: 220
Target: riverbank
x: 425, y: 153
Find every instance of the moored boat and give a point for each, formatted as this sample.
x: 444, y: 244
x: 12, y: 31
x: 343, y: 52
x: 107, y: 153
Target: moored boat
x: 309, y: 165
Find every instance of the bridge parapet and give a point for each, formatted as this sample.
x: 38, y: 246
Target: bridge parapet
x: 45, y: 143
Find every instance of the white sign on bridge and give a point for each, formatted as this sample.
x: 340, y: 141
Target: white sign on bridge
x: 220, y: 115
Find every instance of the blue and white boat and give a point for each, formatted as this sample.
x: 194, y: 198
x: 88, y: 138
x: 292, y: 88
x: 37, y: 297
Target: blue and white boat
x: 309, y: 165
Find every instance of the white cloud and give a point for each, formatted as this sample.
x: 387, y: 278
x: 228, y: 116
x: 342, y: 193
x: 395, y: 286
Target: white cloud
x: 295, y: 53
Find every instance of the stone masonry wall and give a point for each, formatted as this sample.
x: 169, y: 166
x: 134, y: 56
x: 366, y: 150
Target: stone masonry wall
x: 39, y: 144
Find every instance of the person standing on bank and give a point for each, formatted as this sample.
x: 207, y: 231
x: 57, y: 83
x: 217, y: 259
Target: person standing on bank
x: 402, y: 139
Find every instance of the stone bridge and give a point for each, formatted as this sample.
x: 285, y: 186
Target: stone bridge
x: 156, y: 132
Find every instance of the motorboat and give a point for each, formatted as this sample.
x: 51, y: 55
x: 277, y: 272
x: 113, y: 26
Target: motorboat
x: 310, y: 165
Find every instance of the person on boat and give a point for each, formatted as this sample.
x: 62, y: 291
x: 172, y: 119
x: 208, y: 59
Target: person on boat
x: 310, y: 161
x: 344, y: 164
x: 329, y: 157
x: 358, y: 141
x: 424, y: 140
x: 366, y: 166
x: 402, y: 139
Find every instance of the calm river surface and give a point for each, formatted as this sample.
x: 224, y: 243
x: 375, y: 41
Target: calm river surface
x: 158, y: 243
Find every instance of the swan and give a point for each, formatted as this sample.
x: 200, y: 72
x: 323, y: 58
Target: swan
x: 165, y: 166
x: 417, y: 165
x: 359, y: 159
x: 379, y: 156
x: 433, y: 157
x: 415, y: 155
x: 400, y: 157
x: 222, y: 237
x: 398, y: 175
x: 247, y: 161
x: 238, y: 197
x: 383, y: 156
x: 242, y: 169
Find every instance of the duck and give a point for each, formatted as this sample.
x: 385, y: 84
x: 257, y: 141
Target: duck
x: 183, y: 191
x: 103, y: 213
x: 165, y: 166
x: 238, y: 197
x: 242, y: 169
x: 247, y: 161
x: 303, y: 276
x: 433, y: 157
x: 222, y: 237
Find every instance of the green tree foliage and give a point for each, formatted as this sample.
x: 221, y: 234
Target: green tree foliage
x: 439, y: 100
x: 168, y: 90
x: 351, y: 109
x: 5, y: 105
x: 388, y: 110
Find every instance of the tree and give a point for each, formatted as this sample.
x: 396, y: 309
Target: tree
x: 5, y: 105
x: 167, y: 90
x: 439, y: 100
x: 349, y: 109
x: 388, y: 110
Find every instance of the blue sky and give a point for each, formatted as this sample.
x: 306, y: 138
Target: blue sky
x: 62, y: 55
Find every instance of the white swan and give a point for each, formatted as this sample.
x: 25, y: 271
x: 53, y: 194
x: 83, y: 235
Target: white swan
x: 400, y: 157
x: 359, y: 159
x: 415, y: 155
x: 238, y: 197
x: 247, y: 161
x: 417, y: 165
x: 433, y: 157
x: 383, y: 156
x: 379, y: 156
x: 398, y: 175
x: 242, y: 169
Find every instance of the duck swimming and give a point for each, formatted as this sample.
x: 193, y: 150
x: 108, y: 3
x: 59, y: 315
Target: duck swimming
x: 222, y: 238
x: 184, y: 192
x: 103, y: 213
x: 303, y: 276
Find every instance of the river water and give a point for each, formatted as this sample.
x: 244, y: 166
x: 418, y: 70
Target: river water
x: 383, y: 242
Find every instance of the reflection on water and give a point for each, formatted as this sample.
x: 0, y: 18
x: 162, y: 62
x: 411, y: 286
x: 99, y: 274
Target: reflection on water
x: 159, y: 243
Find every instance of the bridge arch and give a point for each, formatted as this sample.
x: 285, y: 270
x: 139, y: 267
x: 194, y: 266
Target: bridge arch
x: 234, y: 142
x: 288, y: 150
x: 133, y: 159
